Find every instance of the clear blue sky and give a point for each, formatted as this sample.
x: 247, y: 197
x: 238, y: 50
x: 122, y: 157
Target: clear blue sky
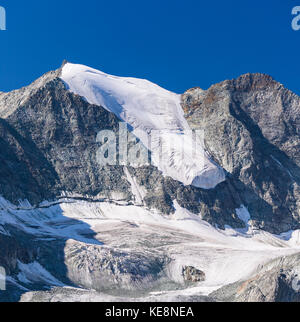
x: 176, y: 43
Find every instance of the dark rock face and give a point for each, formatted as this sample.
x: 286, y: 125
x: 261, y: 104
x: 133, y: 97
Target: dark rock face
x: 251, y: 127
x: 49, y: 146
x: 17, y: 247
x: 192, y: 274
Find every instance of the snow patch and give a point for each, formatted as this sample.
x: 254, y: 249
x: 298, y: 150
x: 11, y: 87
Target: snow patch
x: 138, y: 192
x: 243, y: 214
x: 292, y: 237
x: 35, y: 273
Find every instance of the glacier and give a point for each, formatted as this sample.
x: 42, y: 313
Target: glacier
x: 149, y: 110
x: 225, y: 256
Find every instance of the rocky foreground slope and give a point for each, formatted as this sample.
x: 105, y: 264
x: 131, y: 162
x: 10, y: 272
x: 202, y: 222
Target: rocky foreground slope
x: 135, y: 232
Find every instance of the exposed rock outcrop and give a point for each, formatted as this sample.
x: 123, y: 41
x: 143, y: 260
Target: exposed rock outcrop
x: 251, y: 127
x: 192, y: 274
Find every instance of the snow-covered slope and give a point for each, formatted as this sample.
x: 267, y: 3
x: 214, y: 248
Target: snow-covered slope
x: 149, y: 110
x: 224, y: 256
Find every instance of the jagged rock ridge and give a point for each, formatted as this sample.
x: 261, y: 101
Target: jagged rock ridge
x: 251, y: 127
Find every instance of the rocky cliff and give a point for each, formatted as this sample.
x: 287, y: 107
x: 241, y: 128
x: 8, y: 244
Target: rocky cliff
x: 251, y: 127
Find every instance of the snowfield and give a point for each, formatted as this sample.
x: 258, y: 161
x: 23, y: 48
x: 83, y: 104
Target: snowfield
x: 155, y: 116
x: 224, y: 256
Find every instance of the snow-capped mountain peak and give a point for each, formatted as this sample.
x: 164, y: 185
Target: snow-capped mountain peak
x: 149, y: 109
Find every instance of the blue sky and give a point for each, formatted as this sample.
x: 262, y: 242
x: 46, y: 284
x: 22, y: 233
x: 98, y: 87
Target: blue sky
x: 174, y: 43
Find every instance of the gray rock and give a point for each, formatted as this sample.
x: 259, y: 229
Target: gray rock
x: 251, y: 128
x: 192, y: 274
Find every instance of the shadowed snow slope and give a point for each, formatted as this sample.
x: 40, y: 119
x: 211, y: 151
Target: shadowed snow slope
x: 149, y: 110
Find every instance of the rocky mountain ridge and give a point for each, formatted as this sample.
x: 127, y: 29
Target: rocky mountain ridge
x: 251, y: 127
x: 48, y: 162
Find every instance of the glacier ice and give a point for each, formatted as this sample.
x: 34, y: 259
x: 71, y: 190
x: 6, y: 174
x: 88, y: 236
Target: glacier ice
x: 148, y: 110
